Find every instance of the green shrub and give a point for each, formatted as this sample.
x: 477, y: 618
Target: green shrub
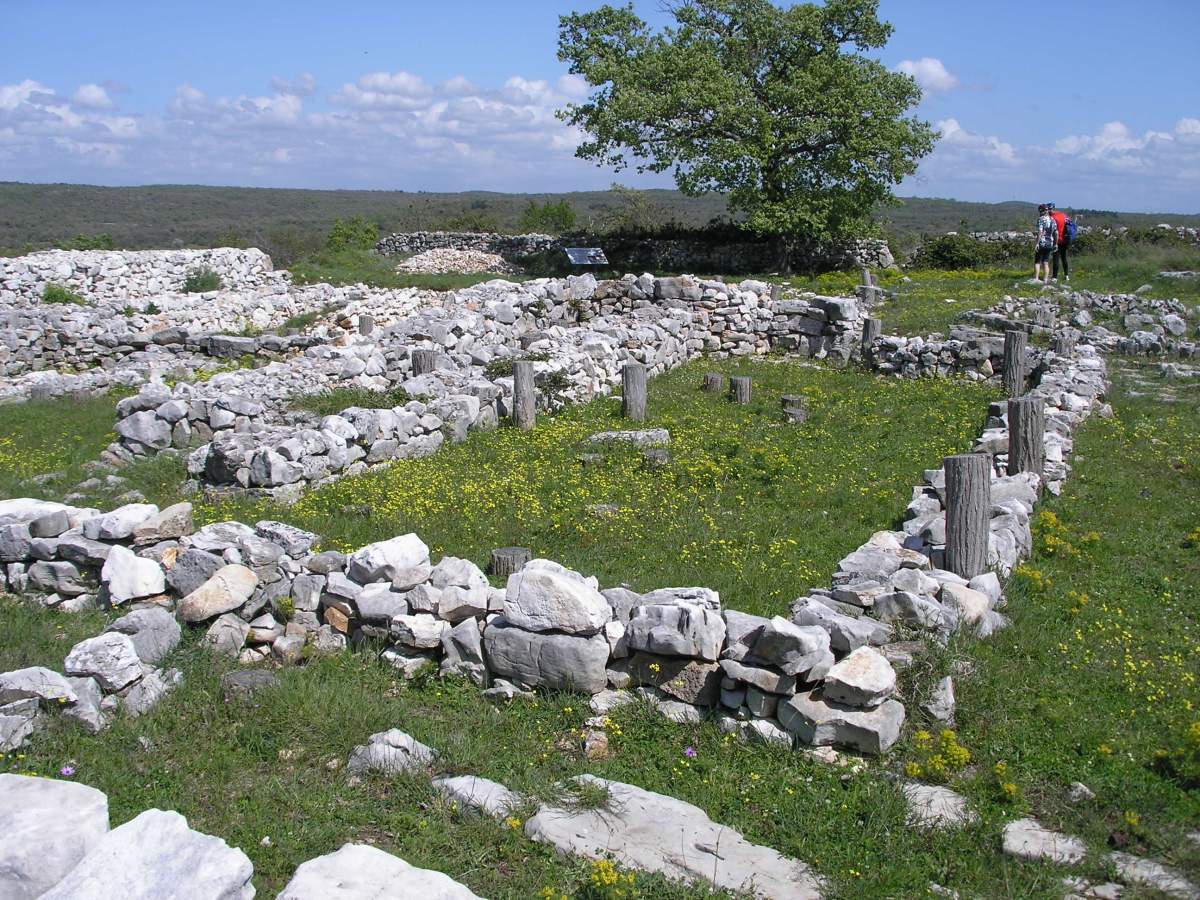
x: 90, y: 242
x: 151, y: 309
x: 548, y: 218
x: 503, y: 367
x: 200, y: 281
x: 56, y: 293
x: 332, y: 402
x: 352, y: 233
x: 475, y: 222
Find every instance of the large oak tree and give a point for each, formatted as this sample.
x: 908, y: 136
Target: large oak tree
x: 779, y: 107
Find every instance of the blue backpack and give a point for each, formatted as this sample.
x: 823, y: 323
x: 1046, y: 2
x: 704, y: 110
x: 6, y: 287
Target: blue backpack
x: 1070, y: 230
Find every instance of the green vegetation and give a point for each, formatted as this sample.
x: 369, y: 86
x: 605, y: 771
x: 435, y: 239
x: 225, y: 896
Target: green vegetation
x: 52, y: 438
x: 355, y: 233
x: 201, y: 281
x: 333, y: 401
x: 763, y: 104
x: 548, y: 218
x: 356, y: 266
x: 56, y: 293
x: 90, y: 242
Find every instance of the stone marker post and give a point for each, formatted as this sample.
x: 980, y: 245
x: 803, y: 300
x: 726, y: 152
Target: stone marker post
x: 795, y: 408
x: 507, y: 560
x: 776, y: 292
x: 870, y: 332
x: 739, y: 389
x: 968, y: 502
x: 633, y: 391
x: 524, y: 411
x: 423, y: 361
x: 714, y: 382
x: 1014, y: 363
x: 366, y: 323
x: 1026, y: 435
x: 1064, y: 344
x: 867, y: 279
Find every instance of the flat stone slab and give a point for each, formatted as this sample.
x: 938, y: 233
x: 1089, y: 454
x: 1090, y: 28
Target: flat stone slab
x: 649, y: 437
x: 359, y: 872
x: 35, y: 682
x: 643, y: 830
x: 1027, y: 839
x: 932, y: 807
x: 472, y: 792
x: 1151, y: 874
x: 48, y: 827
x: 154, y: 856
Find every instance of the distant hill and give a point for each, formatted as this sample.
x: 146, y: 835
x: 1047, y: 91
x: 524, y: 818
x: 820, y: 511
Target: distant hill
x: 290, y: 222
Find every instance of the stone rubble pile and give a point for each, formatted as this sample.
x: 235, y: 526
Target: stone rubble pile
x: 1129, y: 324
x: 441, y: 261
x: 579, y: 332
x: 121, y: 276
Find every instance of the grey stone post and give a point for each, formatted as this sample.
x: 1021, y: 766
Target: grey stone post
x: 524, y: 411
x: 423, y: 361
x: 633, y: 391
x: 1026, y: 435
x: 714, y: 382
x: 870, y: 332
x: 1014, y: 363
x: 507, y: 560
x: 968, y: 502
x: 739, y: 389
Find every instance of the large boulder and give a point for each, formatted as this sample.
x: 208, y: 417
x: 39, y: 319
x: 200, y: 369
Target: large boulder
x: 128, y: 576
x: 678, y: 629
x: 802, y: 650
x: 382, y: 560
x: 110, y: 658
x: 119, y: 524
x: 154, y: 856
x: 227, y: 590
x: 360, y: 872
x: 48, y: 827
x: 564, y: 661
x: 544, y: 596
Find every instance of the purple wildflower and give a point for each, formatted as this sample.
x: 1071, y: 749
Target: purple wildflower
x: 690, y: 752
x: 66, y: 771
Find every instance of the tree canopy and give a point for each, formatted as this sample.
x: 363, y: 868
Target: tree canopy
x: 776, y: 106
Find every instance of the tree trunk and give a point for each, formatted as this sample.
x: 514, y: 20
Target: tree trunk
x: 968, y: 502
x: 713, y: 382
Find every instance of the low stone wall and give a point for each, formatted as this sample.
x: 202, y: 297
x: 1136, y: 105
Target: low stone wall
x: 824, y: 675
x: 121, y: 276
x: 579, y: 331
x: 1183, y: 232
x: 687, y: 254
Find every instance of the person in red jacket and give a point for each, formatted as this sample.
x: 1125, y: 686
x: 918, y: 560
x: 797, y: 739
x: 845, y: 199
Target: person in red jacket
x: 1060, y: 252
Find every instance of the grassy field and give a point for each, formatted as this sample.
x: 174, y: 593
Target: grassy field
x: 1096, y: 674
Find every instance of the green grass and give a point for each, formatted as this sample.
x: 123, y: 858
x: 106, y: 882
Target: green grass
x: 52, y: 436
x: 332, y: 401
x: 359, y: 266
x: 56, y: 293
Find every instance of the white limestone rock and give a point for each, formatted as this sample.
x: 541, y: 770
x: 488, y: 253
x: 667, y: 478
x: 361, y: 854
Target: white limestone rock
x: 225, y: 591
x: 863, y: 679
x: 651, y: 832
x: 48, y: 826
x: 390, y: 752
x: 1027, y: 839
x: 532, y: 659
x: 111, y: 658
x: 544, y: 596
x: 818, y: 722
x: 470, y: 792
x: 128, y: 576
x: 157, y: 855
x: 154, y: 631
x: 932, y: 807
x: 679, y: 629
x: 381, y: 561
x: 36, y: 682
x: 361, y: 872
x: 802, y: 650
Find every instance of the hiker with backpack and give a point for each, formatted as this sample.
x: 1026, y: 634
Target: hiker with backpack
x: 1066, y: 234
x: 1044, y: 244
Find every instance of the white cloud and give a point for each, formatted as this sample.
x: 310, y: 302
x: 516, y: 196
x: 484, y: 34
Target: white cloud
x: 930, y: 73
x: 304, y: 86
x: 962, y: 142
x: 92, y: 96
x: 13, y: 95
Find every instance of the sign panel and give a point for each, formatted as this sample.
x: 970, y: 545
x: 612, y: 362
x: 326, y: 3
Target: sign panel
x: 586, y: 256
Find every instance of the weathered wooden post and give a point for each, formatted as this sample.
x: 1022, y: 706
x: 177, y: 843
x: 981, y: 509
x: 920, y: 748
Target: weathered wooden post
x: 423, y: 361
x: 1064, y: 343
x: 1014, y: 363
x: 968, y: 502
x: 507, y: 560
x: 1026, y: 435
x: 714, y: 382
x: 795, y: 408
x: 633, y: 391
x: 524, y: 411
x: 739, y: 389
x: 870, y: 333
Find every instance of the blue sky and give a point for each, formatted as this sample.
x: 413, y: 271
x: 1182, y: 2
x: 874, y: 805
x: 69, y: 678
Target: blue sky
x: 1090, y: 104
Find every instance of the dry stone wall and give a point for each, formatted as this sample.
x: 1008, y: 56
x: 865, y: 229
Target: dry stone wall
x: 823, y: 675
